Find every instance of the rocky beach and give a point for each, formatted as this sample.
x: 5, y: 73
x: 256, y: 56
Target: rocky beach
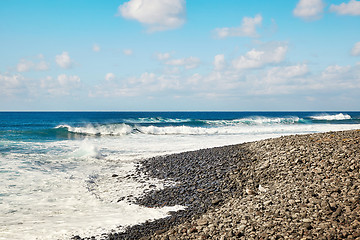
x: 292, y: 187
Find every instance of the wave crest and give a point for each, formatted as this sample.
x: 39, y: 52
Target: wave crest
x: 157, y: 120
x: 189, y: 127
x: 255, y: 121
x: 334, y: 117
x: 109, y: 129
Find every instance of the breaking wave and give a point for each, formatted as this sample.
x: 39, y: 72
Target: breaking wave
x: 157, y: 120
x: 256, y: 121
x: 186, y: 126
x: 108, y: 129
x: 329, y: 117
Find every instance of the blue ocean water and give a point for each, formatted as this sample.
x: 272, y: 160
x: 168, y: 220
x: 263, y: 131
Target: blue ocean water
x: 53, y: 126
x: 56, y: 167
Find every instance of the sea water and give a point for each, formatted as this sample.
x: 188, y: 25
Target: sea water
x: 69, y: 173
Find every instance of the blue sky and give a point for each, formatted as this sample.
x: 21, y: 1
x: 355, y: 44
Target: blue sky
x: 179, y: 55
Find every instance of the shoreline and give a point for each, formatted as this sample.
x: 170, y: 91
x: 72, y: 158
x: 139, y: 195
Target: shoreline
x: 296, y: 187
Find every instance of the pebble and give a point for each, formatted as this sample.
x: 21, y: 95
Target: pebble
x: 312, y: 190
x: 202, y: 222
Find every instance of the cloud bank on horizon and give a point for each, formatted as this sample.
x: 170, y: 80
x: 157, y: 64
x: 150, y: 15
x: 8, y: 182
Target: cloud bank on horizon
x: 180, y: 55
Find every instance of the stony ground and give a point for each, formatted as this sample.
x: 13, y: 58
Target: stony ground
x: 294, y: 187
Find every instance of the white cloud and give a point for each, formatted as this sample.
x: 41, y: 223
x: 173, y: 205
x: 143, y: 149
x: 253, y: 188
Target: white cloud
x: 65, y: 80
x: 128, y: 52
x: 10, y: 83
x: 276, y: 81
x: 63, y: 60
x: 194, y: 79
x: 223, y: 81
x: 46, y: 82
x: 350, y: 8
x: 172, y: 70
x: 258, y: 58
x: 219, y: 62
x: 25, y: 65
x: 334, y: 71
x: 188, y: 63
x: 247, y: 28
x: 298, y: 80
x: 109, y: 76
x: 113, y: 91
x: 309, y: 9
x: 163, y: 56
x: 283, y: 74
x: 16, y: 85
x: 337, y: 78
x: 355, y: 51
x: 167, y: 82
x: 62, y: 85
x: 42, y: 66
x: 144, y: 85
x: 157, y: 15
x: 96, y: 48
x: 145, y: 78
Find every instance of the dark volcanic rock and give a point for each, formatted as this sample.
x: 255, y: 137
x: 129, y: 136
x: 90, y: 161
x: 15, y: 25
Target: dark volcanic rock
x: 201, y: 182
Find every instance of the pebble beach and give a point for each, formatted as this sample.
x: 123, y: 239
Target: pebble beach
x: 292, y: 187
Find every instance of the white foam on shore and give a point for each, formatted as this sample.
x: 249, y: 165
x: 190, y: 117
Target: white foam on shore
x: 53, y: 190
x: 70, y: 191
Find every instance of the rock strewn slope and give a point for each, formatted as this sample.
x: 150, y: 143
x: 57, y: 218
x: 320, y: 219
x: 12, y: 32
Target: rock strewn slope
x: 294, y: 187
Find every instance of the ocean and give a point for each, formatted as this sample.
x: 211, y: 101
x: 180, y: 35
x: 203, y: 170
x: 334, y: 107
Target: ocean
x: 57, y: 168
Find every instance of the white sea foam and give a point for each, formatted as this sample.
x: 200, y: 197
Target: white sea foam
x: 157, y: 120
x: 329, y: 117
x: 108, y: 129
x: 255, y: 121
x: 213, y: 127
x: 86, y: 149
x: 178, y: 130
x: 71, y: 191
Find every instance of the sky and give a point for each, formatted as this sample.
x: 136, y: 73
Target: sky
x: 177, y: 55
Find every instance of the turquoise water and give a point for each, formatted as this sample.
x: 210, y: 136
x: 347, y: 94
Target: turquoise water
x: 56, y: 167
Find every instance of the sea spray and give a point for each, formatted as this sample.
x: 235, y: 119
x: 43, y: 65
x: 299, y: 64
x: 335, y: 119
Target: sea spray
x: 331, y: 117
